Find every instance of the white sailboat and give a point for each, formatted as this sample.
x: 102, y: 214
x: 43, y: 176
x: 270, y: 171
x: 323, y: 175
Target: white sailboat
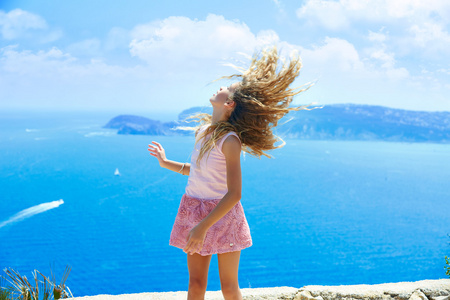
x: 116, y: 172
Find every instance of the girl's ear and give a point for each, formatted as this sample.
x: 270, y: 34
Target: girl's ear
x: 230, y: 104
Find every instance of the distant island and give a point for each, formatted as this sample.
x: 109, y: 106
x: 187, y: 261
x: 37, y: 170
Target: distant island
x: 332, y: 122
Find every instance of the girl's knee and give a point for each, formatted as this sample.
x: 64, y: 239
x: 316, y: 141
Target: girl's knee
x: 198, y: 285
x: 230, y: 290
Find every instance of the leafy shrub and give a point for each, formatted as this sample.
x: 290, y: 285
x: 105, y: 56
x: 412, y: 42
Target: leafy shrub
x: 447, y: 262
x: 447, y: 267
x: 5, y: 292
x: 41, y: 287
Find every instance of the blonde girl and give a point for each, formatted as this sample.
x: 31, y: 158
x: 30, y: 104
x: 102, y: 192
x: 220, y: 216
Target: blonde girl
x: 210, y: 218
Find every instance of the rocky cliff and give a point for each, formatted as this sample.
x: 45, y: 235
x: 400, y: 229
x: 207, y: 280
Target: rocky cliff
x: 335, y: 122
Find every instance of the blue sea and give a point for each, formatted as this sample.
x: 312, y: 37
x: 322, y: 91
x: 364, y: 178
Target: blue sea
x: 320, y: 212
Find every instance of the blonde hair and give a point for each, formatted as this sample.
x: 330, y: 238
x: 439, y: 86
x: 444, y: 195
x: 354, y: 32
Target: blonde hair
x: 261, y: 100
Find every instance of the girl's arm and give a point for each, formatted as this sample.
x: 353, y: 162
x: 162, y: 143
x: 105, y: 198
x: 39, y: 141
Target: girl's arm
x: 232, y: 150
x: 157, y: 151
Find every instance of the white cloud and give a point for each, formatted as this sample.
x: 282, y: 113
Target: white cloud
x: 381, y: 53
x: 88, y: 47
x: 329, y: 14
x: 180, y: 41
x: 176, y: 57
x: 277, y: 3
x: 26, y: 62
x: 444, y: 71
x: 17, y: 22
x: 414, y: 26
x: 377, y: 36
x: 20, y: 24
x: 54, y: 79
x: 177, y: 51
x: 280, y: 7
x: 59, y: 66
x: 117, y: 38
x: 57, y: 78
x: 336, y: 54
x: 346, y: 74
x: 387, y: 59
x: 431, y: 36
x: 380, y: 58
x: 339, y: 13
x: 397, y: 73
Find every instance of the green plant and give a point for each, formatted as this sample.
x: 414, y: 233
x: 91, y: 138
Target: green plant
x: 61, y: 290
x: 41, y: 287
x: 447, y: 262
x: 5, y: 292
x: 447, y: 268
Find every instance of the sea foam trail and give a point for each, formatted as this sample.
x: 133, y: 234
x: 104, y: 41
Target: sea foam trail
x: 29, y: 212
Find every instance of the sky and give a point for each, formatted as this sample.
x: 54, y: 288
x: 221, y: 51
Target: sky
x: 146, y: 56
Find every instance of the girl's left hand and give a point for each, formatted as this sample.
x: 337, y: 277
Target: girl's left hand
x: 195, y: 240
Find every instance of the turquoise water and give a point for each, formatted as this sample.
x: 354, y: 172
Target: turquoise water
x: 321, y: 212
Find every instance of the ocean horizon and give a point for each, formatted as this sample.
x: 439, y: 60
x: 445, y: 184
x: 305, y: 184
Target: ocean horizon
x: 320, y: 212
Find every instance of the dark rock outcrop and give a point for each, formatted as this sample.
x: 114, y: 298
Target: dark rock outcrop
x: 129, y: 124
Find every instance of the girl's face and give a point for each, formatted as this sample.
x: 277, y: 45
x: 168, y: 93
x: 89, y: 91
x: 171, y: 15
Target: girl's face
x: 221, y: 97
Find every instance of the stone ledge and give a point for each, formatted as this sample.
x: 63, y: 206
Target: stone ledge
x: 258, y: 293
x: 420, y: 290
x: 425, y: 290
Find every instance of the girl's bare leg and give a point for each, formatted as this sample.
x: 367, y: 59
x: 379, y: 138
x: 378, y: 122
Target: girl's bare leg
x: 228, y: 271
x: 198, y: 275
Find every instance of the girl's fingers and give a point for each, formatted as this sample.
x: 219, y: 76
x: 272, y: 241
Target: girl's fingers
x: 153, y: 150
x: 157, y: 144
x: 189, y: 246
x: 191, y: 250
x: 196, y: 249
x: 192, y: 247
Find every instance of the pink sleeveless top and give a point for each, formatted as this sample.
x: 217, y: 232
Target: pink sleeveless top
x: 209, y: 181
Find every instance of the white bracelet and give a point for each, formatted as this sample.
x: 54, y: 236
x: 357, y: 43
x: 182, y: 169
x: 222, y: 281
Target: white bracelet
x: 181, y: 170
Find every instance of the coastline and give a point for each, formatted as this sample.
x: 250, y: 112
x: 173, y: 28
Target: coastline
x: 420, y: 290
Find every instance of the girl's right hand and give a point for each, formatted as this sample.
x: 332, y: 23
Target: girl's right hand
x: 157, y: 151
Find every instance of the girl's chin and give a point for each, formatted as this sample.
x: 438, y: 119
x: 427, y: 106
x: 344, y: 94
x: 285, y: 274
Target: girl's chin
x: 213, y: 103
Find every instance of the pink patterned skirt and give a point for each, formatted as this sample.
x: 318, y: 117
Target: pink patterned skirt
x: 230, y: 233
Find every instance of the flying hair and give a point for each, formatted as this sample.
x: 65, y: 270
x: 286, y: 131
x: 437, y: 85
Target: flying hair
x: 261, y: 99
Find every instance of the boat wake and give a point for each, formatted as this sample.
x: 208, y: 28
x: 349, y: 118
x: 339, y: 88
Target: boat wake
x: 29, y: 212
